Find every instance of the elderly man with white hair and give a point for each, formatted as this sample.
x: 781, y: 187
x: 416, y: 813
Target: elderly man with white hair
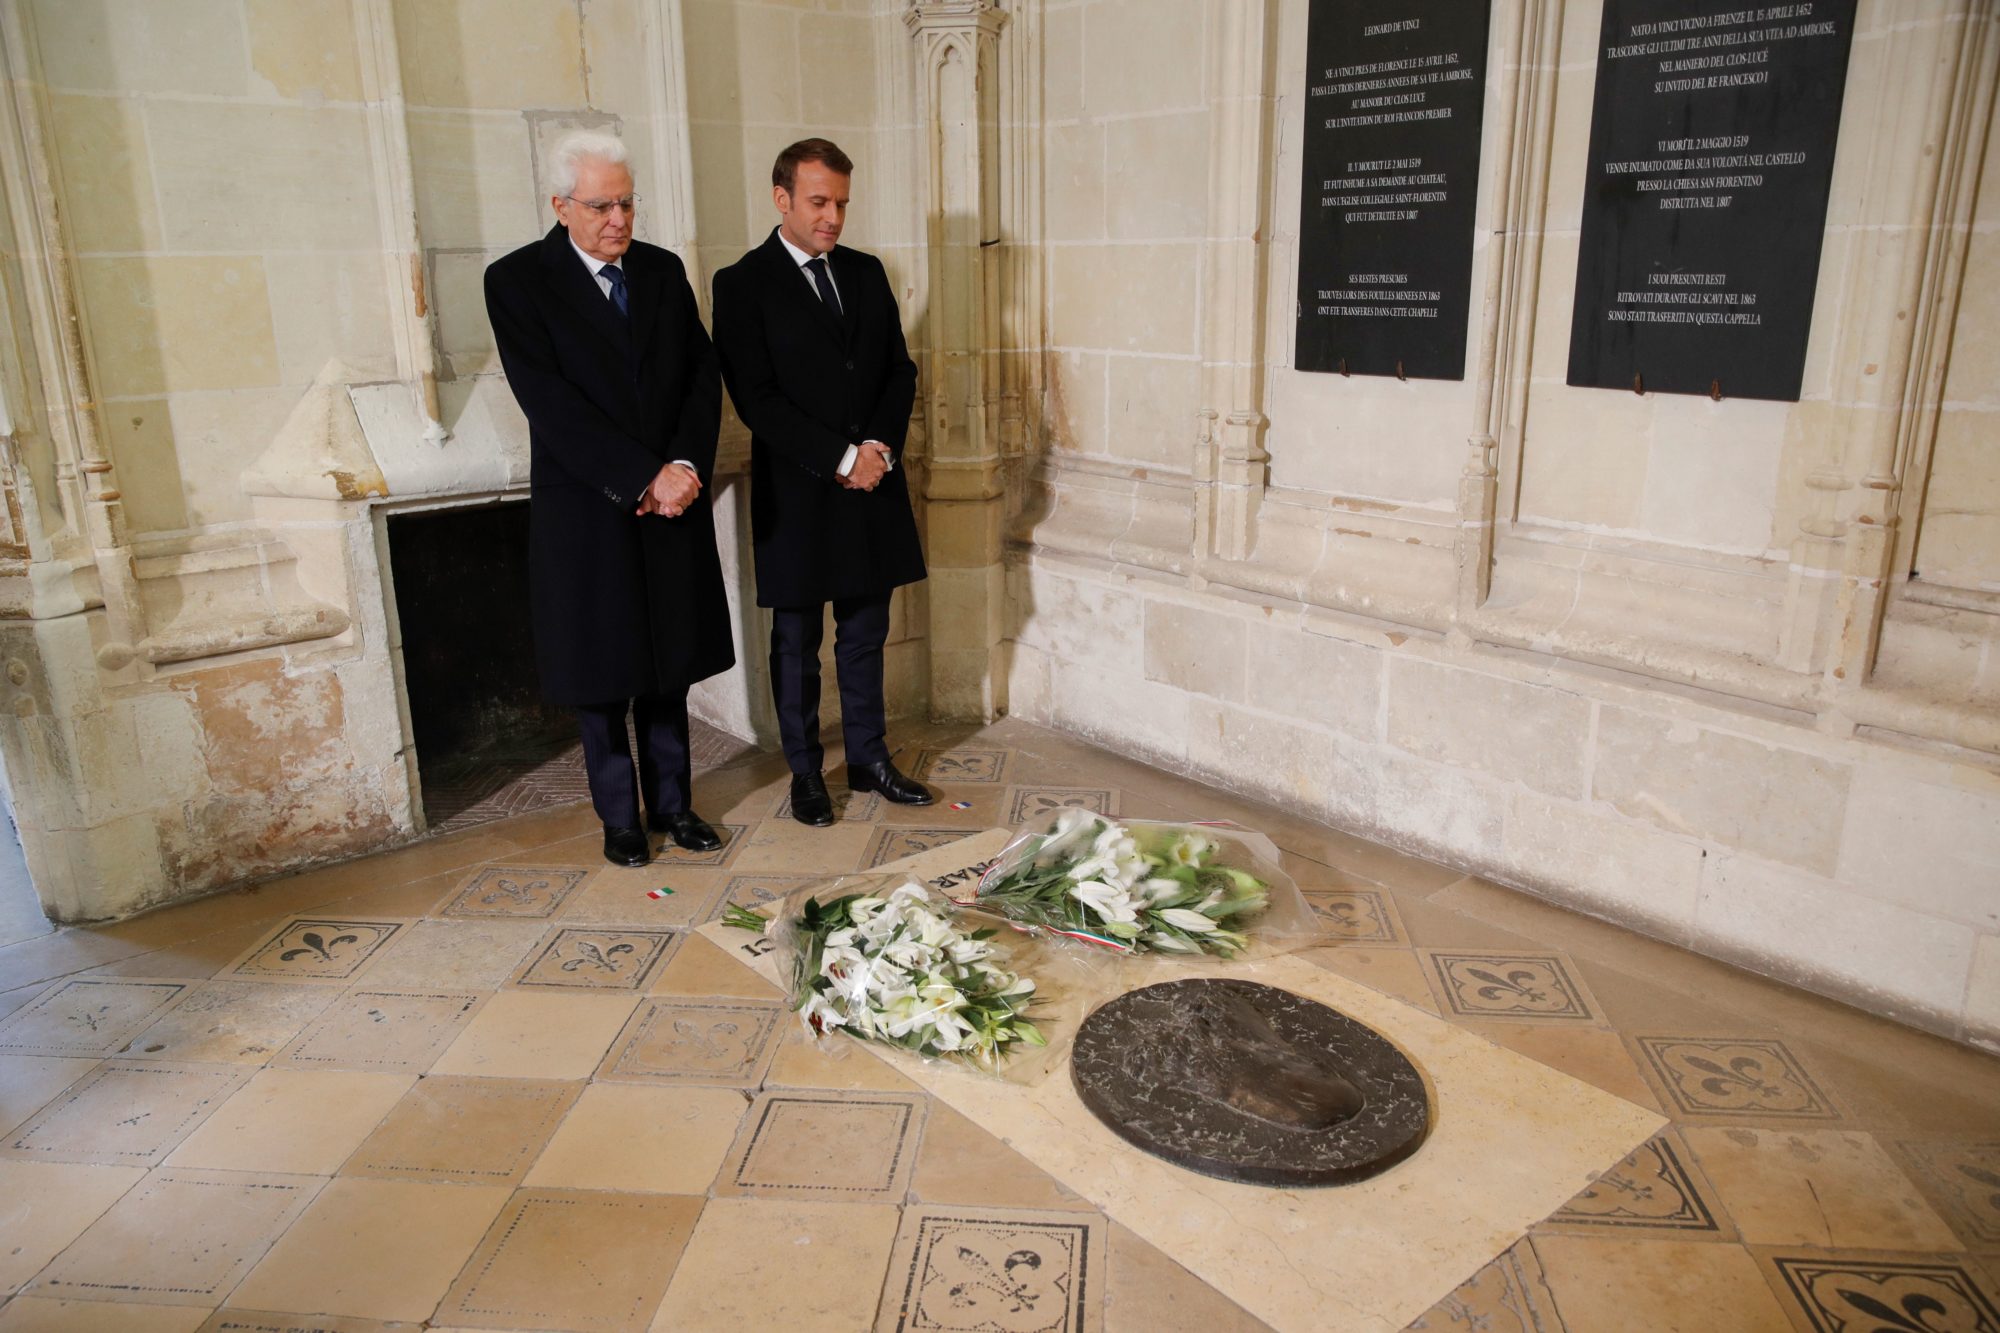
x: 605, y: 351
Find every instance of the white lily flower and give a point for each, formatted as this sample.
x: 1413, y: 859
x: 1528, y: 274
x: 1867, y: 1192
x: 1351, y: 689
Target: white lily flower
x: 1159, y: 890
x: 818, y: 1015
x: 1166, y: 943
x: 1071, y: 826
x: 1189, y: 848
x: 1187, y: 920
x: 1109, y: 902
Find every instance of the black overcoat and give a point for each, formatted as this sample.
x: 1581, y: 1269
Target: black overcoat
x: 809, y: 383
x: 622, y: 605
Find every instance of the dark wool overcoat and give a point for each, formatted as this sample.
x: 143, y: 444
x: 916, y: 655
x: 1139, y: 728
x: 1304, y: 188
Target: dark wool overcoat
x: 809, y: 382
x: 622, y: 605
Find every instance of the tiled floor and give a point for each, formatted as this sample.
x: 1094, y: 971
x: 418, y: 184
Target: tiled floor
x: 489, y: 1082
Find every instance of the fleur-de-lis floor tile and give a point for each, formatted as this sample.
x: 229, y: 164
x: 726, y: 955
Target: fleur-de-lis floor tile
x: 668, y: 857
x: 695, y: 1041
x: 848, y: 806
x: 1657, y: 1187
x: 1962, y: 1177
x: 1743, y: 1077
x: 382, y: 1032
x: 959, y: 764
x: 1873, y: 1292
x: 316, y: 949
x: 237, y: 1022
x: 125, y: 1114
x: 86, y: 1016
x: 974, y: 1270
x: 1357, y: 916
x: 857, y: 1147
x: 1508, y: 1295
x: 895, y: 843
x: 756, y: 891
x: 537, y: 891
x: 1036, y: 806
x: 607, y: 958
x: 1531, y: 987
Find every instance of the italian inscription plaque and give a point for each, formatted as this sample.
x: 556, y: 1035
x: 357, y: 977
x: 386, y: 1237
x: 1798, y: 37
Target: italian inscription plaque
x: 1711, y: 158
x: 1390, y: 175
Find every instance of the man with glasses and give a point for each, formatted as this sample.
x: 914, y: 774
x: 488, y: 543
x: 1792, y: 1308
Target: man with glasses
x: 605, y: 352
x: 812, y: 347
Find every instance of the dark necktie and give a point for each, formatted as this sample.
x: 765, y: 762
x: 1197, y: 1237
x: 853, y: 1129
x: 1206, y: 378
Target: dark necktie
x: 824, y: 281
x: 614, y: 275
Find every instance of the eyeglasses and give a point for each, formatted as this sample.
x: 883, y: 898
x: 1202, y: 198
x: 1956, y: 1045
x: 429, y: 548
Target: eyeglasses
x: 602, y: 207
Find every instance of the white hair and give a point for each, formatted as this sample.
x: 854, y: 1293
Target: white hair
x: 577, y: 147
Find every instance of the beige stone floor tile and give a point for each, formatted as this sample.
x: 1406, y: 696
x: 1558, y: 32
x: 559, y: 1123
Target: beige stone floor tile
x: 834, y: 1061
x: 693, y: 1040
x: 523, y: 1035
x: 1881, y: 1291
x: 455, y: 955
x: 297, y: 1121
x: 381, y: 1249
x: 234, y: 1320
x: 1827, y: 1188
x: 383, y: 1032
x: 776, y: 1264
x: 179, y: 1238
x: 1434, y: 927
x: 1396, y: 972
x: 978, y: 1266
x: 21, y: 915
x: 616, y: 896
x: 418, y: 898
x: 473, y: 1131
x: 574, y: 1259
x: 849, y: 1147
x: 1508, y: 1295
x: 1363, y: 916
x: 972, y: 763
x: 1595, y: 1055
x: 1658, y: 1286
x: 318, y: 948
x: 87, y: 1016
x: 14, y: 999
x: 1634, y: 1003
x: 1727, y: 1078
x: 200, y: 957
x: 789, y: 847
x: 231, y: 1022
x: 33, y: 1314
x: 573, y: 958
x: 124, y: 1113
x: 513, y: 891
x: 1961, y: 1178
x: 1908, y: 1082
x: 48, y: 1206
x: 893, y: 843
x: 698, y: 968
x: 625, y: 1137
x: 960, y: 1163
x: 1658, y: 1190
x: 30, y: 1082
x: 1147, y: 1291
x: 49, y: 957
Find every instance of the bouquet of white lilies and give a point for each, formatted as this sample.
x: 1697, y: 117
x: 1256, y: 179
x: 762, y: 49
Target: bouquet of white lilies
x: 890, y: 968
x: 1169, y: 888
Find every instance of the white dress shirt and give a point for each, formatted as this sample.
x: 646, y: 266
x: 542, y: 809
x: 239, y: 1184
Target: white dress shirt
x: 801, y: 258
x: 597, y: 267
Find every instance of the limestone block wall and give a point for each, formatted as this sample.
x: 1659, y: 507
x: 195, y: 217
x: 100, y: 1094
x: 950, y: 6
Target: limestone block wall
x: 1717, y: 670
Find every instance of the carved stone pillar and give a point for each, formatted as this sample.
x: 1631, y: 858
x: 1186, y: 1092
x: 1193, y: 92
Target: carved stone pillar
x: 958, y: 87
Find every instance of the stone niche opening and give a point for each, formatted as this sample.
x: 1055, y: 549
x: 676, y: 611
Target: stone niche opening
x: 476, y: 715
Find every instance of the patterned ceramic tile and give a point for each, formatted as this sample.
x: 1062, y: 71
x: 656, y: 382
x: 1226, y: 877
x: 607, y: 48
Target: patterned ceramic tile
x: 315, y: 948
x: 125, y: 1114
x: 1743, y: 1077
x: 1858, y: 1294
x: 975, y: 1270
x: 960, y: 764
x: 1654, y: 1188
x: 1509, y: 1295
x: 733, y: 836
x: 1037, y: 805
x: 85, y: 1017
x: 1963, y: 1179
x: 580, y: 958
x: 1358, y: 916
x: 706, y: 1042
x: 386, y: 1032
x: 514, y: 891
x: 862, y: 808
x: 757, y: 890
x: 852, y: 1146
x: 1520, y: 986
x: 893, y: 844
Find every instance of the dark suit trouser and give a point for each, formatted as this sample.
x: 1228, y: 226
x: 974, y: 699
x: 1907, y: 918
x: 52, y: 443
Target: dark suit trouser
x: 662, y: 723
x: 860, y: 628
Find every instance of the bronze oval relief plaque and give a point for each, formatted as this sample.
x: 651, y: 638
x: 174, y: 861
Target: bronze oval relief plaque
x: 1249, y: 1083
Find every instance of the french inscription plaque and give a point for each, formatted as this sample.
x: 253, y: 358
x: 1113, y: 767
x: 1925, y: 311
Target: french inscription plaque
x: 1390, y: 175
x: 1249, y: 1083
x: 1711, y: 158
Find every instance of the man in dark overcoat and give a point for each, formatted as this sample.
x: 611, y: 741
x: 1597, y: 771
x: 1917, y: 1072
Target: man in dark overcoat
x: 605, y: 352
x: 812, y: 349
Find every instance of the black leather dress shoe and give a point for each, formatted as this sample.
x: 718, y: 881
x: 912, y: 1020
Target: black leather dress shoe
x: 688, y: 830
x: 627, y: 846
x: 811, y: 803
x: 884, y: 777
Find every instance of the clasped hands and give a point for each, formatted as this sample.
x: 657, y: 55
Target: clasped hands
x: 871, y: 464
x: 671, y: 492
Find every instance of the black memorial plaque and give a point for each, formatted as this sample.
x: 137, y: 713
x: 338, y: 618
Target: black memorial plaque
x: 1711, y: 156
x: 1250, y: 1083
x: 1389, y: 178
